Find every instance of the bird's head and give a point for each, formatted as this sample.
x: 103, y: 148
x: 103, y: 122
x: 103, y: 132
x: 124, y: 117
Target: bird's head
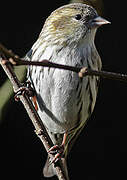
x: 71, y: 24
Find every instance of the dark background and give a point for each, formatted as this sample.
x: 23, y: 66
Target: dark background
x: 101, y: 151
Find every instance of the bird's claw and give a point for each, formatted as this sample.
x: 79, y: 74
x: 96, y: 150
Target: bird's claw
x: 58, y: 151
x: 25, y: 89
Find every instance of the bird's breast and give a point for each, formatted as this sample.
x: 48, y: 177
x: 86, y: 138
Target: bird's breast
x: 64, y: 99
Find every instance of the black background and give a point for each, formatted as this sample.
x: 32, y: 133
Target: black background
x: 100, y: 152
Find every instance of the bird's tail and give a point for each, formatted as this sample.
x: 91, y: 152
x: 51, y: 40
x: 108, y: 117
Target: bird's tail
x: 49, y: 169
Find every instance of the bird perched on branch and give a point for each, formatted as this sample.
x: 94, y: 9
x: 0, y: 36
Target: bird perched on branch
x: 65, y: 101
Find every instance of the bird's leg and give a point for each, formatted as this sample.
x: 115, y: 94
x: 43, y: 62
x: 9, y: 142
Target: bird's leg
x: 34, y: 98
x: 26, y: 89
x: 58, y: 150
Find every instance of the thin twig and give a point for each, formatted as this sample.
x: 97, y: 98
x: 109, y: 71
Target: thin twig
x: 83, y: 71
x: 40, y: 128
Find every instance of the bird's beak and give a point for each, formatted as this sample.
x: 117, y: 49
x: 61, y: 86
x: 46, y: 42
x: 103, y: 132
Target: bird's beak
x: 99, y: 21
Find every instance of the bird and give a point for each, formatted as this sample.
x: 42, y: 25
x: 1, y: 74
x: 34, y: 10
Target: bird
x: 65, y: 101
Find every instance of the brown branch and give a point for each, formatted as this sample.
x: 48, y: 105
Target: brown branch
x: 15, y: 60
x: 40, y: 128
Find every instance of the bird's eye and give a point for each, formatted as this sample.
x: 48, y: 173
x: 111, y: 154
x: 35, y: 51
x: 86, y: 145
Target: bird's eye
x: 78, y: 17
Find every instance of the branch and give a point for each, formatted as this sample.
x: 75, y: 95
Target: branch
x: 83, y: 71
x: 40, y: 128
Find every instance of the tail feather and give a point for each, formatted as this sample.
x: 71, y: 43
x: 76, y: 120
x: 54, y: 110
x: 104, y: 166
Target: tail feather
x: 49, y: 169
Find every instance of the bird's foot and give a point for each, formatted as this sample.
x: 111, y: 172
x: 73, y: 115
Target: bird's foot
x: 24, y: 89
x: 58, y: 151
